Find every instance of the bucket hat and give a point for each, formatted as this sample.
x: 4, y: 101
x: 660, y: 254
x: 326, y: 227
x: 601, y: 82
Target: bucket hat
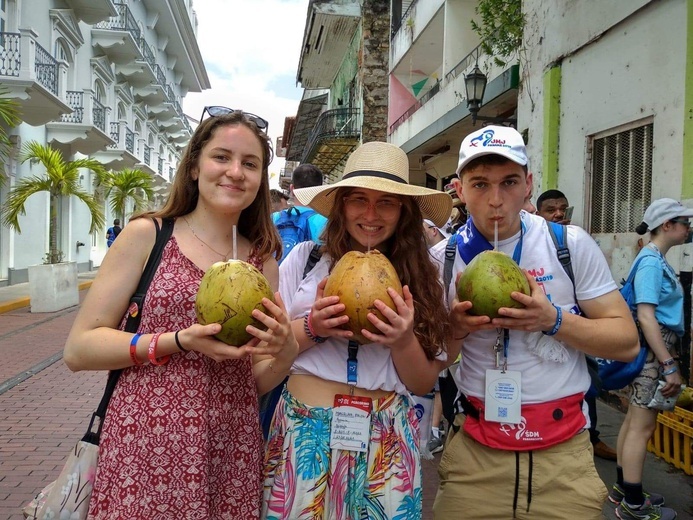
x: 382, y: 167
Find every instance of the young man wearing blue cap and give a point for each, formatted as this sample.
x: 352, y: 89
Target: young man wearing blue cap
x: 520, y: 439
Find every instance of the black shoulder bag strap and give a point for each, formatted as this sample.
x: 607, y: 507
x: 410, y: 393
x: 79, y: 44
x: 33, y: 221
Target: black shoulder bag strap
x: 132, y: 322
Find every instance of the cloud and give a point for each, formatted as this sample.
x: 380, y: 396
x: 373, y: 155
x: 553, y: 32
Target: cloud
x: 251, y: 50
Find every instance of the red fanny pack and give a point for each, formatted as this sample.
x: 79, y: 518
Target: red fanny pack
x: 542, y: 425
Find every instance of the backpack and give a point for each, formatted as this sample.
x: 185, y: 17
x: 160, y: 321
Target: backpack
x: 618, y: 374
x: 268, y: 401
x: 293, y: 228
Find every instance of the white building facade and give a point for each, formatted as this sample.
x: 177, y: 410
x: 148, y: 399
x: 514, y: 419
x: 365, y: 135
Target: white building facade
x: 102, y: 79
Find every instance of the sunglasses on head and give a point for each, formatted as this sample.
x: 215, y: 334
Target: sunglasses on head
x: 215, y: 111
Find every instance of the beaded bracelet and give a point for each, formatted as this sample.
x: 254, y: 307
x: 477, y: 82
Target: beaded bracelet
x: 133, y: 349
x: 180, y: 347
x: 308, y: 329
x: 557, y: 325
x: 672, y: 370
x: 151, y: 351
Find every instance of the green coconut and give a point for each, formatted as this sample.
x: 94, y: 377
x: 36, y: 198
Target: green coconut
x: 228, y: 293
x: 488, y: 281
x: 359, y: 279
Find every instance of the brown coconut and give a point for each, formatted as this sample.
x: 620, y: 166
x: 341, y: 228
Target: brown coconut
x: 229, y: 291
x: 359, y: 279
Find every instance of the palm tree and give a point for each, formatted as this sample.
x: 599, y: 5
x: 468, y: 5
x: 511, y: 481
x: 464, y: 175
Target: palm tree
x: 61, y: 180
x: 118, y: 187
x: 9, y: 113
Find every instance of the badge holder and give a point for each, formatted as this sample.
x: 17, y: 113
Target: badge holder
x: 351, y: 415
x: 503, y: 387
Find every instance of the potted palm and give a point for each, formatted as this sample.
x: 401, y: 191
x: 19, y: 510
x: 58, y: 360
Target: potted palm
x: 53, y: 285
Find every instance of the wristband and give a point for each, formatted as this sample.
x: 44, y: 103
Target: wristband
x: 180, y: 347
x: 133, y: 349
x: 672, y: 370
x: 669, y: 362
x: 151, y: 351
x: 557, y: 325
x: 308, y: 329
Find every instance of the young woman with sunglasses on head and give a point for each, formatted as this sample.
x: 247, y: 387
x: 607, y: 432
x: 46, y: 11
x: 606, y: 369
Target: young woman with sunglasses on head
x: 659, y: 309
x: 181, y: 438
x: 308, y: 475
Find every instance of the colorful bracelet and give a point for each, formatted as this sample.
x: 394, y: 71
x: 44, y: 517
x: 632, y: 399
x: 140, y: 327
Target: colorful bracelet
x: 672, y: 370
x: 151, y: 351
x: 308, y: 329
x: 557, y: 325
x: 180, y: 347
x: 133, y: 349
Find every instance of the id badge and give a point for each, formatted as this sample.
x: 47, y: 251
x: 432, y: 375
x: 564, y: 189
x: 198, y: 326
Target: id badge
x: 502, y: 402
x: 351, y: 423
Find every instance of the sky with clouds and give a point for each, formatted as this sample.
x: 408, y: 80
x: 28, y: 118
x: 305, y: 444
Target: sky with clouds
x: 251, y: 50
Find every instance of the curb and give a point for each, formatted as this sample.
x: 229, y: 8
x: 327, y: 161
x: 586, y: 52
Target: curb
x: 20, y: 303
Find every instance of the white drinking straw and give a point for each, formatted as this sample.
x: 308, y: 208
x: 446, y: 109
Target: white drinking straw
x: 495, y: 236
x: 235, y: 247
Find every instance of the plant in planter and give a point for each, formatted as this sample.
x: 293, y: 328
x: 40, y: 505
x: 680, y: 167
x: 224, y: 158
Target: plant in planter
x: 61, y: 180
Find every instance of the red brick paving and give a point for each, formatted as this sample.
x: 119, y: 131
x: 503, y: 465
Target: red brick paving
x: 42, y: 417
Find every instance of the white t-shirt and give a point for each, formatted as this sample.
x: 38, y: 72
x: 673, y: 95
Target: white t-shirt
x: 542, y: 380
x: 328, y: 360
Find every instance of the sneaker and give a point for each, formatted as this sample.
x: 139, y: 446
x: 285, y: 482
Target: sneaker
x: 645, y: 512
x: 616, y: 496
x: 435, y: 445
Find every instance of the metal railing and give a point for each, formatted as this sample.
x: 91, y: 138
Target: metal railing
x: 416, y: 106
x: 160, y: 166
x: 124, y: 21
x: 465, y: 63
x: 75, y: 100
x: 115, y: 133
x: 147, y: 52
x: 160, y: 76
x: 46, y: 69
x: 10, y: 54
x: 147, y: 154
x: 130, y: 140
x: 340, y: 122
x: 99, y: 115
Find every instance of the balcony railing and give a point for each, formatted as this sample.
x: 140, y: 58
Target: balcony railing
x: 419, y: 103
x: 340, y: 122
x: 160, y: 166
x: 99, y: 115
x: 46, y: 69
x: 147, y: 154
x: 10, y: 54
x: 147, y: 52
x: 129, y: 140
x: 75, y: 99
x: 124, y: 21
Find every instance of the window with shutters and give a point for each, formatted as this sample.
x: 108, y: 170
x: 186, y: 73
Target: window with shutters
x: 621, y: 181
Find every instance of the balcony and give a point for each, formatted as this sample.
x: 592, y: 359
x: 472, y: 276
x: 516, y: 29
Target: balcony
x: 328, y: 34
x: 92, y: 11
x: 336, y: 133
x: 121, y: 154
x: 146, y: 156
x: 32, y: 77
x: 155, y: 93
x: 84, y: 130
x: 140, y: 72
x: 119, y: 36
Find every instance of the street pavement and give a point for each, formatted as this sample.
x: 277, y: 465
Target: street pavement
x: 45, y: 409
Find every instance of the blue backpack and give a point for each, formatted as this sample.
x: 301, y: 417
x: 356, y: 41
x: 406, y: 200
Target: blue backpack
x: 294, y: 228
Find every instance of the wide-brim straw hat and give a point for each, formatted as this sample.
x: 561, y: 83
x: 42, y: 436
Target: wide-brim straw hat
x: 383, y: 167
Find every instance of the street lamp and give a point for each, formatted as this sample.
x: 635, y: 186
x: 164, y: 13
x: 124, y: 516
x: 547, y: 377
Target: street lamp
x: 475, y: 86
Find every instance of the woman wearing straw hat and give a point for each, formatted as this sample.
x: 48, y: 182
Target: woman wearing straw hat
x: 372, y: 207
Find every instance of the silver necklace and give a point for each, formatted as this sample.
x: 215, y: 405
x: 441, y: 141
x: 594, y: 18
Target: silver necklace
x: 225, y: 257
